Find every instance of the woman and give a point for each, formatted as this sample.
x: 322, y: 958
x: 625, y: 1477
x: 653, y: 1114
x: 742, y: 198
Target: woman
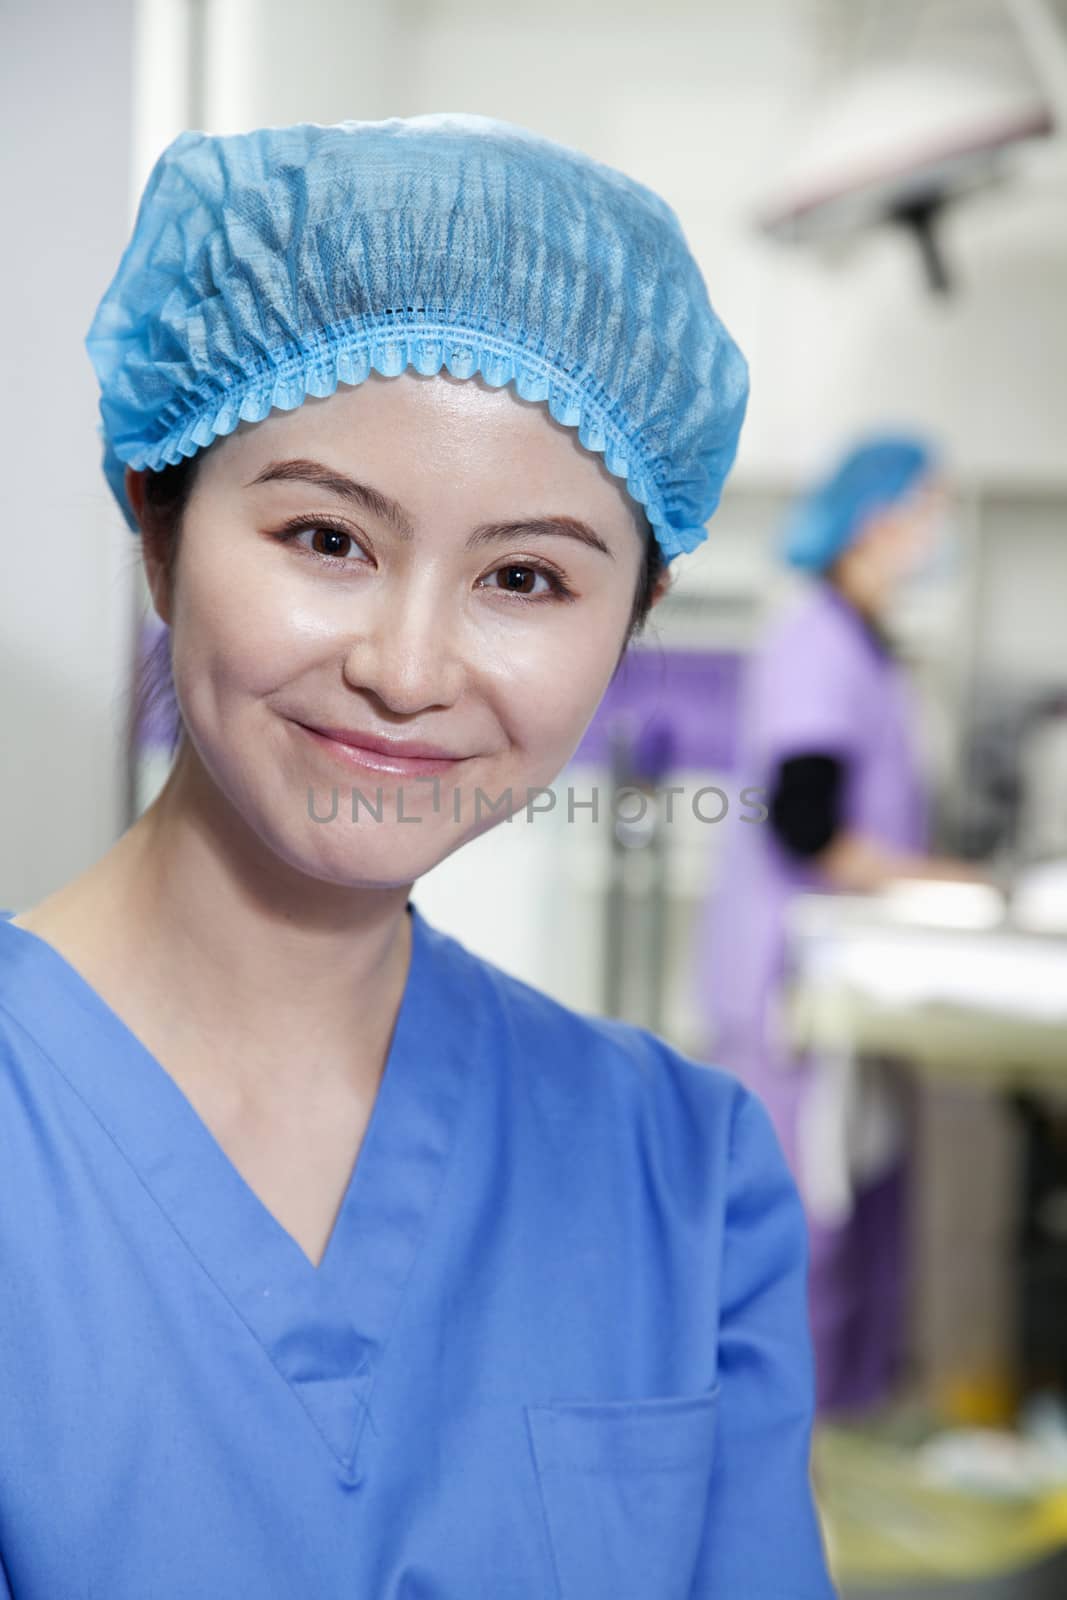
x: 827, y: 731
x: 337, y: 1263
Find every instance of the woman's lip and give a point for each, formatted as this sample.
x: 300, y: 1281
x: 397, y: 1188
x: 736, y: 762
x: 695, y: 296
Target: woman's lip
x: 402, y: 749
x: 390, y: 760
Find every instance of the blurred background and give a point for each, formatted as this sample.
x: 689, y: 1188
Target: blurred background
x: 877, y: 195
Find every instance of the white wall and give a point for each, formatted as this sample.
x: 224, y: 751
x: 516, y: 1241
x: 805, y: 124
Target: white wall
x: 64, y: 592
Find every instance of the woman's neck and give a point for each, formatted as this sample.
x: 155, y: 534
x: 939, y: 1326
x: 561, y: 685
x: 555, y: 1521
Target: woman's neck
x: 270, y: 974
x: 867, y: 613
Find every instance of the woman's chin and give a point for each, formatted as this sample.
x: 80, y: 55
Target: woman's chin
x: 369, y: 855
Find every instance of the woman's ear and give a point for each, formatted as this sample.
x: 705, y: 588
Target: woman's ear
x: 662, y: 586
x: 156, y: 569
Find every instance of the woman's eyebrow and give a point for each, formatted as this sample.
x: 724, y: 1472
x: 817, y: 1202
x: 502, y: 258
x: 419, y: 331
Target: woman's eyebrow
x: 392, y: 512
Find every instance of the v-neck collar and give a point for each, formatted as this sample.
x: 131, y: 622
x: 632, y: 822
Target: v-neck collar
x: 323, y: 1327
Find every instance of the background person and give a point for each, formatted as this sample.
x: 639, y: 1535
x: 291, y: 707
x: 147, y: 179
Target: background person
x: 828, y: 732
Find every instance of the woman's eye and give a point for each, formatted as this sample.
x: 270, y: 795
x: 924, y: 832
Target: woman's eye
x: 522, y: 579
x: 326, y: 542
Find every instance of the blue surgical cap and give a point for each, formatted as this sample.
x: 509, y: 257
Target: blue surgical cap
x: 268, y: 266
x: 871, y: 477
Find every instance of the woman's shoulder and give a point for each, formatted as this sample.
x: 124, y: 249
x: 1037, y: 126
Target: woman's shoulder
x: 816, y: 618
x: 604, y: 1067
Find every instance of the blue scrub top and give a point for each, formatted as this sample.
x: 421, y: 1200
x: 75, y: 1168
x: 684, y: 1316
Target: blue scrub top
x: 556, y: 1349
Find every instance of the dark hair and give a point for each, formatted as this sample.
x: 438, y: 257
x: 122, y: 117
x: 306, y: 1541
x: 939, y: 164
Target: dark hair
x: 154, y: 702
x: 166, y: 496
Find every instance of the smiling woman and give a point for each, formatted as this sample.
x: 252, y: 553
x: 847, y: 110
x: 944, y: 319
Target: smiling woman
x: 338, y: 1263
x: 315, y: 580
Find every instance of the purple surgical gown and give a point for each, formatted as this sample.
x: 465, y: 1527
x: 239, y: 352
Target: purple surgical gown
x: 555, y: 1350
x: 821, y: 682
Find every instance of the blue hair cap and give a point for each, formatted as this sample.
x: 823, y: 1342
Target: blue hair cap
x: 272, y: 265
x: 872, y: 476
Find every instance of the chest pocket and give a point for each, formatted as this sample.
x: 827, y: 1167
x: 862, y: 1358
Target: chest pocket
x: 624, y: 1486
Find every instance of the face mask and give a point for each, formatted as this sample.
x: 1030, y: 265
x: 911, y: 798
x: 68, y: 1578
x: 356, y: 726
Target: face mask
x: 917, y: 617
x: 940, y: 562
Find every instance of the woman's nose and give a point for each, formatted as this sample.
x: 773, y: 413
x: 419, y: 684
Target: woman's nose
x: 406, y: 653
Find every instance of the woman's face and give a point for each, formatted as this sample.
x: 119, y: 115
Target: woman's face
x: 894, y: 546
x: 435, y: 608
